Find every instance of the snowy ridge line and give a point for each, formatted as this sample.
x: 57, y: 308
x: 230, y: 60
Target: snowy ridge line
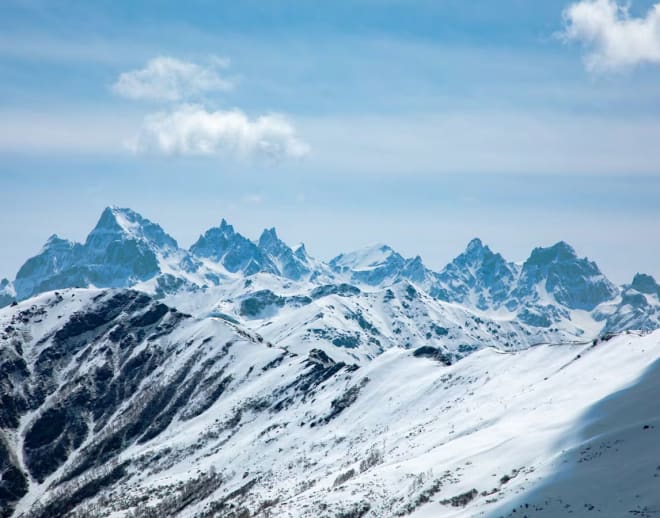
x: 122, y: 406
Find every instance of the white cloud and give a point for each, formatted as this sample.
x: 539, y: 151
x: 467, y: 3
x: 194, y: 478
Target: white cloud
x: 192, y: 130
x: 614, y: 38
x: 168, y: 79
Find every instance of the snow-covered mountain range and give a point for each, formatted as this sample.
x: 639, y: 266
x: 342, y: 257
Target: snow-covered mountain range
x: 245, y: 378
x: 372, y: 297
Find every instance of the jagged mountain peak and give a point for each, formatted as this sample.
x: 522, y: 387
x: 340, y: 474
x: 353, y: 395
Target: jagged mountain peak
x: 645, y: 283
x: 226, y: 226
x: 123, y: 249
x: 560, y: 251
x: 125, y: 222
x: 126, y: 249
x: 478, y: 277
x: 559, y: 272
x: 300, y: 251
x: 293, y: 264
x: 232, y: 250
x: 56, y: 243
x: 54, y: 239
x: 475, y: 245
x: 117, y: 217
x: 477, y: 251
x: 269, y: 240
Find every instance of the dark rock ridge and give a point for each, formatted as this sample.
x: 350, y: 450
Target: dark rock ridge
x: 116, y: 368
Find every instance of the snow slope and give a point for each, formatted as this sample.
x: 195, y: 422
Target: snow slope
x: 117, y: 405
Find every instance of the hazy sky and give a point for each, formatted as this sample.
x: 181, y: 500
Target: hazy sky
x: 420, y: 124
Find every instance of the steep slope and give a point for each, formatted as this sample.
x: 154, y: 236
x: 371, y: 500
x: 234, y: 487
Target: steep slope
x: 89, y: 375
x: 123, y: 406
x: 608, y: 464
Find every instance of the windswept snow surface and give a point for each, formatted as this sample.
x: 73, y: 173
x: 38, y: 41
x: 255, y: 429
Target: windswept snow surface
x: 178, y: 415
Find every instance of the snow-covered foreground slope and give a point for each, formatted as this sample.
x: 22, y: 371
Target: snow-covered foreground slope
x: 115, y: 404
x: 609, y: 464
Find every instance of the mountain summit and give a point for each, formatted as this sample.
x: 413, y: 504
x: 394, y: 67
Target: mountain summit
x: 290, y: 264
x: 232, y: 250
x: 558, y: 273
x: 123, y: 249
x: 478, y: 277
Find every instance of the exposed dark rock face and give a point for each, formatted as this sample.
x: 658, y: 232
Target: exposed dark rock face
x: 13, y: 482
x: 433, y: 353
x: 343, y: 290
x: 338, y: 405
x: 321, y: 368
x: 262, y: 302
x: 71, y: 402
x: 117, y: 369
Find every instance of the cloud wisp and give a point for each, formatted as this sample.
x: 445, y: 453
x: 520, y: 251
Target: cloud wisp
x: 194, y: 130
x: 615, y: 40
x: 191, y: 130
x: 168, y: 79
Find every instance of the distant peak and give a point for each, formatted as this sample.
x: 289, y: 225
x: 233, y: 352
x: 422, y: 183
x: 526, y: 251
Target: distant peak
x: 475, y: 245
x: 111, y: 216
x: 270, y: 241
x: 57, y: 242
x: 54, y: 238
x: 107, y: 216
x: 125, y: 211
x: 301, y: 252
x: 269, y: 234
x: 224, y: 225
x: 122, y: 221
x: 563, y: 246
x: 644, y: 283
x: 560, y: 251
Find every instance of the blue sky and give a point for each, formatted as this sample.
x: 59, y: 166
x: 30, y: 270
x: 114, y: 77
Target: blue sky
x: 419, y: 123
